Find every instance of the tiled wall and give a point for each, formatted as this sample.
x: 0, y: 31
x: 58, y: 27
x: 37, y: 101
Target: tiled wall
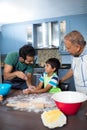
x: 45, y: 54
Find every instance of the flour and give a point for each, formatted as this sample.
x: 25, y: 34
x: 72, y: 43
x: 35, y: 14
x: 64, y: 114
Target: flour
x: 31, y: 102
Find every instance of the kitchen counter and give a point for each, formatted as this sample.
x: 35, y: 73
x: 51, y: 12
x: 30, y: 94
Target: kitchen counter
x: 20, y: 120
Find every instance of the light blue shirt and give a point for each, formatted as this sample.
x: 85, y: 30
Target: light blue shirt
x: 79, y: 66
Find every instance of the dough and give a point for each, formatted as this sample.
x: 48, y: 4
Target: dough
x: 53, y: 118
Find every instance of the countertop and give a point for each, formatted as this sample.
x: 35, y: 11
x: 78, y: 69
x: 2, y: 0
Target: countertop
x: 63, y: 66
x: 20, y: 120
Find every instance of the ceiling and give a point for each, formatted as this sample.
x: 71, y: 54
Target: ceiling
x: 12, y: 11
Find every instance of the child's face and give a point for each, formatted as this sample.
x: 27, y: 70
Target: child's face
x: 49, y: 69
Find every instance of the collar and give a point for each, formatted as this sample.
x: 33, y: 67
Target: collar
x: 84, y: 51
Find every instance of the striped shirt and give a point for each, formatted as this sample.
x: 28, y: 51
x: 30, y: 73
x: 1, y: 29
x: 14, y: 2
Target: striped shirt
x: 79, y: 67
x: 52, y: 80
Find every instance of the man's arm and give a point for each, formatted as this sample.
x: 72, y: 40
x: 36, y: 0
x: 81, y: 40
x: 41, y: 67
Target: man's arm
x: 8, y: 74
x: 29, y: 80
x: 68, y: 75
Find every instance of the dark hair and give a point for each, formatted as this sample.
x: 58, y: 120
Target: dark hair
x: 26, y: 50
x: 54, y: 62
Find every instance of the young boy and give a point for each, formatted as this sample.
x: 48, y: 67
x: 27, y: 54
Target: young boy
x: 49, y: 79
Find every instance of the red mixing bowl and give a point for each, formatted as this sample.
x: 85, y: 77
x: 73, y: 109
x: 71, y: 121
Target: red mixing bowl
x: 69, y: 102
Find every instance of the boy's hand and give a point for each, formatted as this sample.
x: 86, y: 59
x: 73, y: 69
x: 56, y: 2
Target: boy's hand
x: 26, y: 91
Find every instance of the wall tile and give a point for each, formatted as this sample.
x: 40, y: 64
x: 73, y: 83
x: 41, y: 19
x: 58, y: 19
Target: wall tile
x: 45, y: 54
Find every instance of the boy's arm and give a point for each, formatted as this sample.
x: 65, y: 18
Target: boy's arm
x: 41, y: 90
x: 32, y: 89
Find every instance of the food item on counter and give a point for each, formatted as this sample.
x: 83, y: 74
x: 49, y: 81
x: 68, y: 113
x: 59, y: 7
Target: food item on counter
x: 1, y: 98
x: 25, y: 105
x: 53, y: 118
x: 18, y: 105
x: 32, y: 102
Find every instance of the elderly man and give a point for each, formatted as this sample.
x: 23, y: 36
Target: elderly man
x: 76, y: 45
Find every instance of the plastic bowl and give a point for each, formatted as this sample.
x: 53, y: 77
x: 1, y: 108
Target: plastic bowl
x: 5, y: 89
x: 69, y: 102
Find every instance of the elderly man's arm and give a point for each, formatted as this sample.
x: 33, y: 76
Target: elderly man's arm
x: 68, y: 75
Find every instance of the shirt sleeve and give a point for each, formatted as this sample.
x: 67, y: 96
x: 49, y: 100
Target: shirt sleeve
x: 41, y: 79
x: 54, y: 81
x: 10, y: 59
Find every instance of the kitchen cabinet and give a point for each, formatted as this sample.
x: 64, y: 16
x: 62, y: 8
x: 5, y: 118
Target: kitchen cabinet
x: 15, y: 34
x: 62, y: 33
x: 47, y: 34
x: 30, y: 34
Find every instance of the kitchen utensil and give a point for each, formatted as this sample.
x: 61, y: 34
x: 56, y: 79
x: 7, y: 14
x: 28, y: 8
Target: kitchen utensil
x: 4, y: 88
x: 69, y: 102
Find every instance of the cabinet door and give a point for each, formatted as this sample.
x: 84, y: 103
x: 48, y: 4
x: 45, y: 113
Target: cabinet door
x: 62, y: 29
x: 38, y: 37
x: 30, y: 34
x: 46, y: 35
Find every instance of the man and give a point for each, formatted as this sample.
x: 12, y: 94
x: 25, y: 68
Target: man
x: 76, y: 46
x: 18, y: 67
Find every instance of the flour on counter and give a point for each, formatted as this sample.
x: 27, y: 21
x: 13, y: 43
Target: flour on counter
x: 31, y: 102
